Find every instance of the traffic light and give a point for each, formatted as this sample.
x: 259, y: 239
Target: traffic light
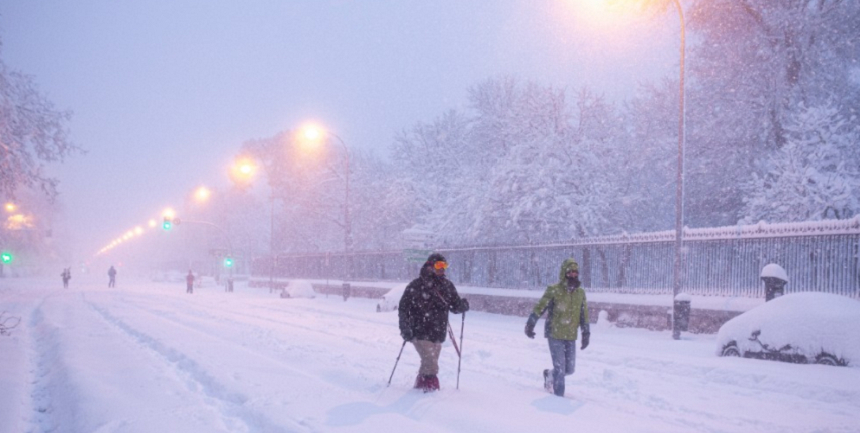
x: 168, y: 224
x: 6, y: 258
x: 228, y: 262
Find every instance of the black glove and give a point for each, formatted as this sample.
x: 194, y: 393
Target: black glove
x: 406, y: 334
x: 464, y: 305
x: 530, y: 325
x: 585, y: 337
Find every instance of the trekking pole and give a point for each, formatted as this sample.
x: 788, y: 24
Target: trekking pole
x: 460, y: 361
x: 453, y: 339
x: 395, y: 363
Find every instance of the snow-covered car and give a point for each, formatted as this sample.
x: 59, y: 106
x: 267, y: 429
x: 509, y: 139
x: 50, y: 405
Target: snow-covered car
x: 299, y: 289
x: 391, y: 299
x: 801, y: 328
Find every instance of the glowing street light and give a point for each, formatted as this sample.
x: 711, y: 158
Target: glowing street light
x: 10, y: 207
x: 314, y: 134
x: 243, y: 169
x: 202, y: 194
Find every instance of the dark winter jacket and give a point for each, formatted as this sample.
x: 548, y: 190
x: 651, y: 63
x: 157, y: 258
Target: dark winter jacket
x: 567, y: 306
x: 425, y: 304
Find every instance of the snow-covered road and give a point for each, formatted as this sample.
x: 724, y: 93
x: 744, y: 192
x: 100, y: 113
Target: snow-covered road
x: 148, y: 357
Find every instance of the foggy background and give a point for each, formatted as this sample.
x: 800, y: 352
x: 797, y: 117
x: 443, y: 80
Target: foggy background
x: 165, y: 96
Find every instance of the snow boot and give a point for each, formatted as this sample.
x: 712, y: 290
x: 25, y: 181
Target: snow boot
x: 431, y: 383
x: 420, y: 382
x: 547, y: 381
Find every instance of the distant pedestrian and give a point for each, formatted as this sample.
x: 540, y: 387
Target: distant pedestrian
x: 67, y: 275
x: 423, y: 313
x: 112, y: 276
x: 189, y: 281
x: 568, y: 310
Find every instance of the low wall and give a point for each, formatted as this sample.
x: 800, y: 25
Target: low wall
x: 658, y: 318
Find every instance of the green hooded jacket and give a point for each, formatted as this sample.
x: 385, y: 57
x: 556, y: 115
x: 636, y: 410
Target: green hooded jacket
x: 568, y: 308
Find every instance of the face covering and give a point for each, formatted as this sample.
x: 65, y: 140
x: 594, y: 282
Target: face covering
x: 573, y: 281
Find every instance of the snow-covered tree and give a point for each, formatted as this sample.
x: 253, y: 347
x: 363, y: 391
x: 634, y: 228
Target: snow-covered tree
x: 32, y: 133
x: 754, y: 65
x: 524, y: 166
x: 553, y: 183
x: 440, y: 162
x: 646, y: 168
x: 815, y: 175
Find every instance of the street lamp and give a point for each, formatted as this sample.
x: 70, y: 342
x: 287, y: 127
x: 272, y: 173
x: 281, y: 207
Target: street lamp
x: 679, y: 191
x: 202, y: 194
x: 679, y: 185
x: 315, y: 134
x: 243, y: 170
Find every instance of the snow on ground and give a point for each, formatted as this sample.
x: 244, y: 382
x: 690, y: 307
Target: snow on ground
x: 148, y: 357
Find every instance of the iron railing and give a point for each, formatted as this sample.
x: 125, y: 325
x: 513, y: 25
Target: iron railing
x: 725, y: 261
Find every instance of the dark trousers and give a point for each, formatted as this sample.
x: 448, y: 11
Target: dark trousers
x: 112, y: 282
x: 563, y: 353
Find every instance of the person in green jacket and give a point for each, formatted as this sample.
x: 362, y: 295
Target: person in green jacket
x: 568, y: 310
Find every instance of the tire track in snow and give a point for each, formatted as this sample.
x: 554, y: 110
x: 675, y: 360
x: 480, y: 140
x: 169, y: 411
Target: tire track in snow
x: 227, y: 402
x: 284, y: 350
x: 48, y: 374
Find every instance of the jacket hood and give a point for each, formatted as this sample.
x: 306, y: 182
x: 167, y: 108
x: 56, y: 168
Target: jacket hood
x: 427, y: 271
x: 566, y: 265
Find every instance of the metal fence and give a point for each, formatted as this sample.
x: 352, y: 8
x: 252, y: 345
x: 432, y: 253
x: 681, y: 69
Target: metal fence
x: 724, y: 261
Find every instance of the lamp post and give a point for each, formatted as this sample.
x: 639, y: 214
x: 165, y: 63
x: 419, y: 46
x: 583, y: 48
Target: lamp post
x: 271, y: 241
x: 679, y: 192
x: 314, y: 134
x: 243, y: 170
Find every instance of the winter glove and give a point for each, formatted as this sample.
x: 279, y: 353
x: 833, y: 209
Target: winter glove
x: 406, y: 334
x: 464, y: 305
x: 585, y: 337
x: 530, y: 325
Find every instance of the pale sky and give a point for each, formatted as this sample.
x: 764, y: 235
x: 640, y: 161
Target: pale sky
x: 163, y: 93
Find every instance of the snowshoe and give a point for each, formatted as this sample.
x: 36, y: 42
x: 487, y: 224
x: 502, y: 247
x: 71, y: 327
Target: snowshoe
x: 547, y: 381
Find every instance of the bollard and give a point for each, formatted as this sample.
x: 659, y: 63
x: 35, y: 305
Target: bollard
x: 775, y: 278
x: 346, y: 291
x: 680, y: 315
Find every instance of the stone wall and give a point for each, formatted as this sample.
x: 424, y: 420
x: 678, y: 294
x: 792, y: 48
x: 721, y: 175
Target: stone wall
x: 656, y: 318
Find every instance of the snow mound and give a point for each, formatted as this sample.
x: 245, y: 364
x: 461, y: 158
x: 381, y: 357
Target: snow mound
x: 300, y: 289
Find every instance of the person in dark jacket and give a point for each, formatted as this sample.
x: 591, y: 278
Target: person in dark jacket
x: 568, y: 311
x: 67, y: 275
x: 189, y: 282
x: 423, y: 313
x: 112, y: 277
